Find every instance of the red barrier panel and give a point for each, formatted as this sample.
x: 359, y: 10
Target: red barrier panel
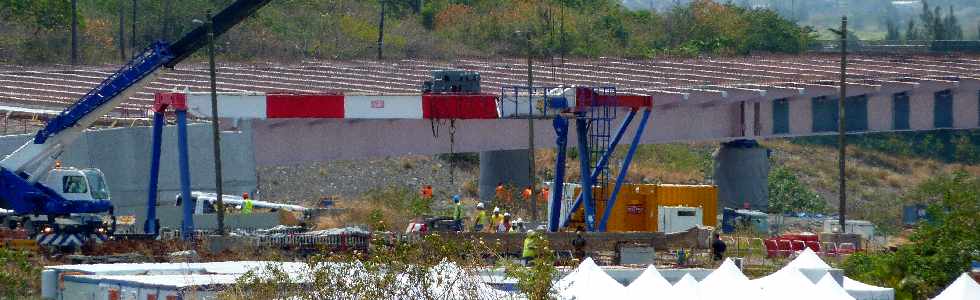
x: 459, y: 106
x: 163, y: 100
x: 304, y: 106
x: 584, y: 97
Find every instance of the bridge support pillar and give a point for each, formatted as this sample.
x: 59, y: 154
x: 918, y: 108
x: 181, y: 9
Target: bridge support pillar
x: 507, y: 166
x: 741, y: 170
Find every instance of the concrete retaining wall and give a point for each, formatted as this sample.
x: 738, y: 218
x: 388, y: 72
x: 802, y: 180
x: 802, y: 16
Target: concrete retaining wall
x: 123, y: 154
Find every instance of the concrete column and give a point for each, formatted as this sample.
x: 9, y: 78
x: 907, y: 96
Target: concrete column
x: 507, y: 166
x: 742, y: 174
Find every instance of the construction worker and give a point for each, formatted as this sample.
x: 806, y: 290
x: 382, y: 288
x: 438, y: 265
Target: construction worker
x: 579, y: 245
x: 718, y: 248
x: 504, y: 226
x: 526, y: 195
x: 481, y: 221
x: 530, y: 247
x: 426, y: 192
x: 543, y: 195
x: 495, y: 219
x: 246, y: 204
x: 457, y: 214
x: 502, y: 196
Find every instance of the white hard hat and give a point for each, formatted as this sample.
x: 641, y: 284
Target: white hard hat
x: 496, y: 209
x: 506, y: 214
x: 530, y: 231
x: 479, y: 205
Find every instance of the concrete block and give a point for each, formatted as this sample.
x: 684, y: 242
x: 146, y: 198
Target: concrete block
x: 634, y: 255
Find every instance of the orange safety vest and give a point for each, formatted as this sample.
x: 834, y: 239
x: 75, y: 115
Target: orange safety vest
x: 526, y: 194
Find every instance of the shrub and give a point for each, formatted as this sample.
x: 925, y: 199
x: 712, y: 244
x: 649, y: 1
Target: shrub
x: 940, y: 248
x: 19, y: 276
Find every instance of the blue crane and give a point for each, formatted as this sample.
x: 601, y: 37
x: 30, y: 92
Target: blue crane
x: 65, y: 206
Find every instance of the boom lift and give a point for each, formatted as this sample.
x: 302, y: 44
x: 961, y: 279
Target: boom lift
x: 66, y: 206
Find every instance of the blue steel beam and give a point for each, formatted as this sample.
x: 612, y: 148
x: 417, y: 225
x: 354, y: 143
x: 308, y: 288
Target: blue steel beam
x: 561, y: 141
x: 582, y: 129
x: 150, y: 227
x: 603, y: 160
x: 187, y: 226
x: 624, y: 169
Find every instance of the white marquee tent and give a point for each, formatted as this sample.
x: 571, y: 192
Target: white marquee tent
x: 650, y: 284
x: 588, y: 281
x: 964, y: 288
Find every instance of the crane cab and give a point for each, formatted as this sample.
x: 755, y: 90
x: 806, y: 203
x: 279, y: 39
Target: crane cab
x: 78, y: 184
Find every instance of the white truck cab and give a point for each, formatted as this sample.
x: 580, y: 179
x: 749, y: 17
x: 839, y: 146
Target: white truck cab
x: 78, y: 184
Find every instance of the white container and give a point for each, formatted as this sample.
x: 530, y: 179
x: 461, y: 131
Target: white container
x: 678, y: 218
x: 863, y: 228
x: 516, y: 105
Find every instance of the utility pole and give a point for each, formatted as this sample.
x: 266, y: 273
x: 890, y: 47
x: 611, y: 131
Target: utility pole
x: 135, y: 51
x: 841, y: 130
x: 122, y: 32
x: 74, y: 32
x: 530, y: 129
x: 216, y: 137
x: 381, y: 32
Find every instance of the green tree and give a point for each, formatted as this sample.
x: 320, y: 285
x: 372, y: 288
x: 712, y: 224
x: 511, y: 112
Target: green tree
x: 892, y: 30
x: 772, y: 33
x: 39, y: 14
x: 788, y: 194
x: 911, y: 32
x: 535, y: 281
x: 953, y: 29
x: 940, y: 249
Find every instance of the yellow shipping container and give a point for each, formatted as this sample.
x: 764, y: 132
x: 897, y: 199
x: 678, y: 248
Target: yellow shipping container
x: 637, y: 205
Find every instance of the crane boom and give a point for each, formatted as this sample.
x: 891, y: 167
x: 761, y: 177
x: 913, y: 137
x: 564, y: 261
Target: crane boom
x: 21, y: 170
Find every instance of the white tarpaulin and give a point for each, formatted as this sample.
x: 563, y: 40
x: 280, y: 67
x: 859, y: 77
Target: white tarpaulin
x: 863, y: 291
x: 807, y: 259
x: 964, y: 288
x: 649, y: 285
x: 829, y: 285
x: 686, y: 288
x: 588, y: 281
x: 728, y: 282
x: 238, y: 201
x: 795, y: 285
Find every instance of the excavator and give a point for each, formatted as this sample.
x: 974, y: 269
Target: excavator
x: 65, y: 206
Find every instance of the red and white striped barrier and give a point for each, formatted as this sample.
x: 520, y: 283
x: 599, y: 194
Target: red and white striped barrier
x: 339, y: 106
x: 424, y: 106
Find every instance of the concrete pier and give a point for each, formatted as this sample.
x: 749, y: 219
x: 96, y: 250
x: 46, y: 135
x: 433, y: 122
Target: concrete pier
x: 507, y: 166
x: 742, y: 175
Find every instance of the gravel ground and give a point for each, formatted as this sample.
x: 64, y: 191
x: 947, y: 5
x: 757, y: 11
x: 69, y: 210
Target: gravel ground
x: 305, y: 184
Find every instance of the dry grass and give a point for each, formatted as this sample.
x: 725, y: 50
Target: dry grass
x: 394, y: 207
x: 877, y: 182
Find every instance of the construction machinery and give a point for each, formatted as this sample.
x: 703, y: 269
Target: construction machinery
x: 68, y: 206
